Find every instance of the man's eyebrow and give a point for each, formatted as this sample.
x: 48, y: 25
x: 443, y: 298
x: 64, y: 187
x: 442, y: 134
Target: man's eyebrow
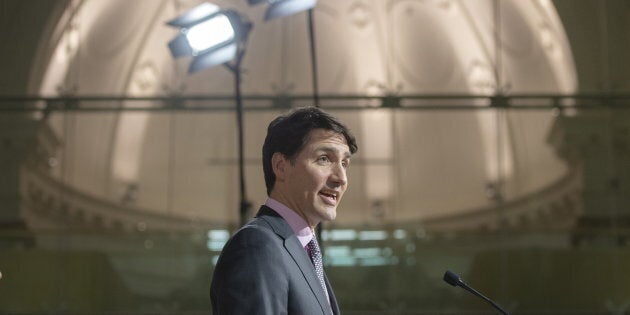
x: 346, y: 153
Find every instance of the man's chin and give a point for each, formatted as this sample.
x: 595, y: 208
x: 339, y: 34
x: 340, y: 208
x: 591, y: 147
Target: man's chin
x: 329, y: 215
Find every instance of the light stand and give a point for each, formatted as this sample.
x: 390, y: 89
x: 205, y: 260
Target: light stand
x: 245, y: 205
x: 214, y: 36
x: 281, y: 8
x: 311, y: 37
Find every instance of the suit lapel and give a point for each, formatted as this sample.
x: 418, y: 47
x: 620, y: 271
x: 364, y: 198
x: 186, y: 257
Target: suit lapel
x: 298, y: 253
x: 333, y: 299
x: 294, y: 247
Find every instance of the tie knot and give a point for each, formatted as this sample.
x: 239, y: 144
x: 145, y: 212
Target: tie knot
x: 313, y: 244
x: 313, y: 248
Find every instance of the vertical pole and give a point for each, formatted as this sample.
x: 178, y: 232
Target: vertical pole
x: 311, y: 33
x: 311, y: 36
x: 497, y: 47
x: 243, y: 204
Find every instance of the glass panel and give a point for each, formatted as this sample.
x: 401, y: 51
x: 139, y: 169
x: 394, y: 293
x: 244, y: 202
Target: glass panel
x: 110, y: 208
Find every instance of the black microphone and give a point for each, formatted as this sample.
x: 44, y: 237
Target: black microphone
x: 454, y: 280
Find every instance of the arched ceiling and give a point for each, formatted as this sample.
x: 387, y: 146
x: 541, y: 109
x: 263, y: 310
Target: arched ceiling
x: 364, y: 47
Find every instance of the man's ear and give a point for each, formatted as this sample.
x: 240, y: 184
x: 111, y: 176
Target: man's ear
x: 279, y: 165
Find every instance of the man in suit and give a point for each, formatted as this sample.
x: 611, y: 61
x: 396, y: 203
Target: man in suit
x: 271, y: 265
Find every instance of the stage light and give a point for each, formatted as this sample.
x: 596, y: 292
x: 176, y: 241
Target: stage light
x: 211, y: 35
x: 214, y: 36
x: 280, y: 8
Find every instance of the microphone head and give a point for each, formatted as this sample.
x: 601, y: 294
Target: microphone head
x: 452, y: 278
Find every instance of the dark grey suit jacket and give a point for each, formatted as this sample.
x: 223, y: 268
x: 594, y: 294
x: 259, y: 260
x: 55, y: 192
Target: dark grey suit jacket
x: 263, y: 269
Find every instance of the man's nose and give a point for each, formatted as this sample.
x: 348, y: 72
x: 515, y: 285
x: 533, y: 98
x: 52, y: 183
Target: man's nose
x: 339, y: 176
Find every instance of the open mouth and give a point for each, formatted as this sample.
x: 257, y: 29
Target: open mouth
x: 330, y: 197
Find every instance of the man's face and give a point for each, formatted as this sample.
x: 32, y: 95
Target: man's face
x: 313, y: 184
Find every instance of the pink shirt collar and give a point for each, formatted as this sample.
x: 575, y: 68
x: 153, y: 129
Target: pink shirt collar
x: 297, y: 223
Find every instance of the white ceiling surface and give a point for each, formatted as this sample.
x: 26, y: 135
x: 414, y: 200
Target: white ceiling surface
x: 425, y: 164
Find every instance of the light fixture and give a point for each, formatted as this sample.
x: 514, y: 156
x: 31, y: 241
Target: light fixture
x: 211, y: 35
x: 280, y: 8
x: 214, y: 36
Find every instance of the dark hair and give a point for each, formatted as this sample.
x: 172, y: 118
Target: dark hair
x: 288, y: 134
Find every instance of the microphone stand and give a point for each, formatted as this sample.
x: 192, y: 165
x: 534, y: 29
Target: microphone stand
x: 454, y: 280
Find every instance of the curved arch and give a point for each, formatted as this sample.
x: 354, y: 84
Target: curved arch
x: 389, y: 47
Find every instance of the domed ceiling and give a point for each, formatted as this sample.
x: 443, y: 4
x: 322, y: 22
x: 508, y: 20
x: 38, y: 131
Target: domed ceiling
x: 412, y: 164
